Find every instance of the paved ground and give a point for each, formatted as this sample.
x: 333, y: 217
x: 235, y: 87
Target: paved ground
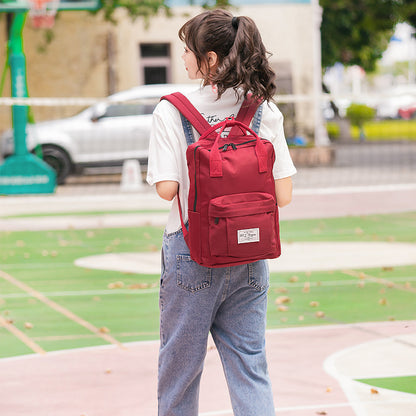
x: 312, y: 371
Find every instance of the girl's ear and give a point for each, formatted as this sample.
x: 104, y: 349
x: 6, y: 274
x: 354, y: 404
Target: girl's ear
x: 212, y: 59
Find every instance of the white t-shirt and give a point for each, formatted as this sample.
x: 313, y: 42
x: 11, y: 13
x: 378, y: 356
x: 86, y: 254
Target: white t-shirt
x: 167, y: 149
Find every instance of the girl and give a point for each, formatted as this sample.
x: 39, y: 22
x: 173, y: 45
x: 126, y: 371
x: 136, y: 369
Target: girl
x: 228, y: 54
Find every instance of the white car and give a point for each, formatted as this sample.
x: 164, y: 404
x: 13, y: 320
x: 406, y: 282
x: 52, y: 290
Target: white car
x: 104, y: 134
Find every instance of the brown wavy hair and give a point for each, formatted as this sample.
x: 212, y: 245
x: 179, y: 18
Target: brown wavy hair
x: 242, y: 58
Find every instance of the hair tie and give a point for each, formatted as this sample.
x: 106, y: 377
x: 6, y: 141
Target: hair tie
x: 234, y: 22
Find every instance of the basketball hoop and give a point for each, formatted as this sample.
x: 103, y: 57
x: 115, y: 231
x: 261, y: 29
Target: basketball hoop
x: 42, y: 13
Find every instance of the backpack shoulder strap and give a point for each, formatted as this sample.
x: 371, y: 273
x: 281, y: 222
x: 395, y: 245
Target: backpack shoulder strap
x: 246, y: 113
x: 186, y: 108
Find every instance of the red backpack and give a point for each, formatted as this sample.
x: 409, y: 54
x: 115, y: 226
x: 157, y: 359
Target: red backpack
x: 232, y: 209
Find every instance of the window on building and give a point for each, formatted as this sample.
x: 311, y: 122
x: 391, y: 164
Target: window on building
x: 155, y: 62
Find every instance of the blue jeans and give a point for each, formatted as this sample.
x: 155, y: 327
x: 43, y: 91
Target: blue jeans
x: 230, y: 303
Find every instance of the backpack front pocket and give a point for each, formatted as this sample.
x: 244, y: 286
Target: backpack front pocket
x: 242, y: 225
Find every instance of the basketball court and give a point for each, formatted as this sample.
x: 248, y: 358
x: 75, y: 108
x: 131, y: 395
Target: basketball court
x: 314, y: 370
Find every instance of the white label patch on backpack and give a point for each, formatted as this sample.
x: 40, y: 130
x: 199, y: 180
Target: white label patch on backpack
x: 250, y: 235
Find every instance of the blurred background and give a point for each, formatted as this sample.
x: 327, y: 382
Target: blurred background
x: 345, y: 76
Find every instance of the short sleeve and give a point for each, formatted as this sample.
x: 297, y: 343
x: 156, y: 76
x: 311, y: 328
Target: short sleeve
x: 163, y: 148
x: 272, y: 129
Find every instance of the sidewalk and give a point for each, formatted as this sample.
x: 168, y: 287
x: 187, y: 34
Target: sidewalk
x: 307, y: 203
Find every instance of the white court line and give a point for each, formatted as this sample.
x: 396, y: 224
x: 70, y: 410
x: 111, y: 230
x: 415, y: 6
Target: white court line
x: 156, y: 289
x: 346, y: 382
x: 85, y: 293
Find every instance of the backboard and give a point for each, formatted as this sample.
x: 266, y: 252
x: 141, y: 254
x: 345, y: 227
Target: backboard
x: 11, y: 6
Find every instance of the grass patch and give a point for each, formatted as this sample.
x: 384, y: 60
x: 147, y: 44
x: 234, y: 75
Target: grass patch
x: 404, y: 384
x: 380, y: 130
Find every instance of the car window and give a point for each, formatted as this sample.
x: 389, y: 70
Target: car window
x: 128, y: 109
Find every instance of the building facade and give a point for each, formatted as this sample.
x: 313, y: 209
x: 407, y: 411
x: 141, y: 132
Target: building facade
x: 88, y: 57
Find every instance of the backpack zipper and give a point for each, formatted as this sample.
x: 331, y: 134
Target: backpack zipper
x: 233, y: 145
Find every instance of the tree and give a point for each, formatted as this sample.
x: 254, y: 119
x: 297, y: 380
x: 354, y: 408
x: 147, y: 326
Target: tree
x: 148, y: 8
x: 407, y: 11
x: 356, y: 32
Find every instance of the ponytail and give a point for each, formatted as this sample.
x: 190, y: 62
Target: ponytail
x: 242, y: 58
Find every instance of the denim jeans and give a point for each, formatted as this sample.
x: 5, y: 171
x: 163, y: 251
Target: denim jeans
x: 230, y: 303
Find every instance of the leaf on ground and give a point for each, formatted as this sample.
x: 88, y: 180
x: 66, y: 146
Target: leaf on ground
x: 116, y: 285
x: 314, y: 304
x: 153, y: 247
x: 320, y: 314
x: 387, y: 268
x: 282, y: 299
x: 104, y: 330
x: 361, y: 285
x: 20, y: 243
x: 306, y: 287
x: 382, y: 301
x: 28, y: 325
x: 138, y: 286
x: 282, y: 308
x: 374, y: 391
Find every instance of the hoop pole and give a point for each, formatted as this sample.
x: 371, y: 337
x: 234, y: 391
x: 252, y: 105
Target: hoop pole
x: 18, y: 74
x: 22, y: 172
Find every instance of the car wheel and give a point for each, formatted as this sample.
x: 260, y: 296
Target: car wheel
x: 59, y: 160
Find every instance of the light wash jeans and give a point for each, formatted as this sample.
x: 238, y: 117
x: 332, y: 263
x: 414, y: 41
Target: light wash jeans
x: 230, y: 302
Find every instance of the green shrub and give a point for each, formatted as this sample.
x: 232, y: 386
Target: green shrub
x: 333, y: 130
x: 358, y: 114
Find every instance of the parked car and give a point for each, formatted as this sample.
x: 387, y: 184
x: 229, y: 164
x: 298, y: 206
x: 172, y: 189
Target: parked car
x: 408, y: 112
x: 104, y: 134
